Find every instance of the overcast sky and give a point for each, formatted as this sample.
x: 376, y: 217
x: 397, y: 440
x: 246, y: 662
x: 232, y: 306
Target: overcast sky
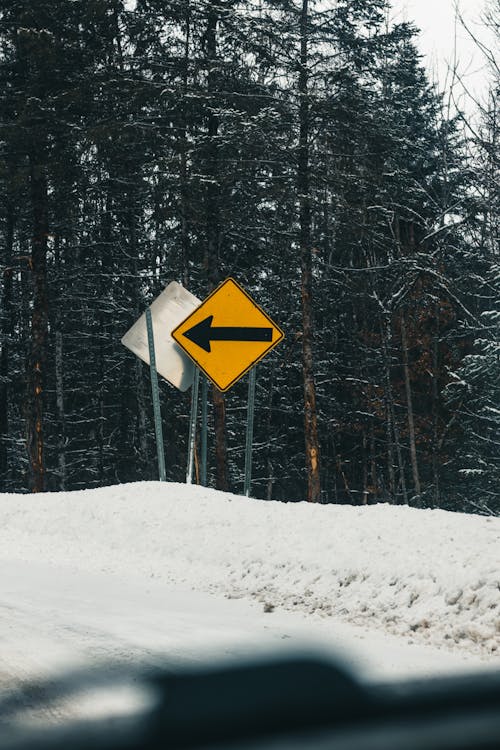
x: 436, y: 19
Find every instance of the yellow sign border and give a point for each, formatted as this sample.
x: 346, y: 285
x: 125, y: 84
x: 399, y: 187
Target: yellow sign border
x: 255, y: 361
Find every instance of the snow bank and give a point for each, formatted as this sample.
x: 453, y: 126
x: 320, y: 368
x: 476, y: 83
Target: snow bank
x: 428, y: 575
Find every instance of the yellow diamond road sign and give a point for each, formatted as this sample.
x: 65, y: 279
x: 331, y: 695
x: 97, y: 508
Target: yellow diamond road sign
x: 227, y: 334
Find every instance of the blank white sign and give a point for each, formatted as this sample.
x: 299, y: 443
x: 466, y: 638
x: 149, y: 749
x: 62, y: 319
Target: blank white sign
x: 169, y: 309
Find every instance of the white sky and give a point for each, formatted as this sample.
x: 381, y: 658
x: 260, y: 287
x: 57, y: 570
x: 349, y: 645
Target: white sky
x: 442, y: 38
x: 436, y: 19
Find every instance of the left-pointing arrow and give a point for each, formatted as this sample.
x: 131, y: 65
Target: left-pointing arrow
x: 203, y: 333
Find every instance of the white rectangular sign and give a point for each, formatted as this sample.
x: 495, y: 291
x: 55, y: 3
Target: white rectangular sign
x: 168, y: 310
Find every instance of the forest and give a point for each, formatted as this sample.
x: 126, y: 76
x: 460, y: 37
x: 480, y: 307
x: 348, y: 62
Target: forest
x: 298, y: 147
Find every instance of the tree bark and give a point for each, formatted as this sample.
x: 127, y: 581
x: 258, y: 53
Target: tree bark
x: 140, y: 391
x: 435, y: 408
x: 409, y: 404
x: 392, y: 427
x: 39, y: 329
x: 310, y: 413
x: 56, y: 328
x: 7, y: 333
x: 183, y: 169
x: 271, y: 477
x: 221, y: 468
x: 373, y: 465
x: 213, y: 238
x: 61, y: 418
x: 365, y: 491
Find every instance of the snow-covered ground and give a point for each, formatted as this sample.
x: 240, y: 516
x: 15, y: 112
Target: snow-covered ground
x: 152, y: 573
x: 427, y: 575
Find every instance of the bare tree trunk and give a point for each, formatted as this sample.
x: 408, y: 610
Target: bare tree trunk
x: 56, y: 325
x: 61, y: 442
x: 140, y: 391
x: 7, y: 332
x: 221, y: 468
x: 340, y: 470
x: 102, y: 405
x: 271, y: 476
x: 39, y: 329
x: 310, y: 413
x: 141, y: 414
x: 409, y: 404
x: 373, y: 465
x: 390, y: 450
x: 435, y: 409
x: 366, y: 492
x: 388, y: 414
x: 335, y: 472
x: 142, y: 428
x: 213, y: 238
x: 185, y: 243
x: 392, y: 427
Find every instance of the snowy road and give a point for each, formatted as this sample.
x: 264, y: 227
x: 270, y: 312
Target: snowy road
x: 56, y: 620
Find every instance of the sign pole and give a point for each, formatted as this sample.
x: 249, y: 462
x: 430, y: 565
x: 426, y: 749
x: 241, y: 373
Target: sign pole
x: 204, y: 416
x: 156, y: 398
x: 249, y: 436
x: 192, y: 426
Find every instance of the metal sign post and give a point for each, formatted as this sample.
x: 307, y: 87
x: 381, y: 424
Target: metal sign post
x: 156, y: 398
x: 167, y: 310
x: 249, y: 436
x: 204, y: 419
x: 192, y: 426
x: 223, y: 337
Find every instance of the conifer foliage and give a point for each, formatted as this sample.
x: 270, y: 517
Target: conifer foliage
x: 296, y: 146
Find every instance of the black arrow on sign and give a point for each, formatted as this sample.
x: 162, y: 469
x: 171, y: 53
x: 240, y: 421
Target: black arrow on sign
x: 203, y: 333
